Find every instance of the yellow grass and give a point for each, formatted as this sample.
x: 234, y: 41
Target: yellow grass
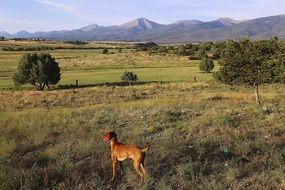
x: 169, y: 93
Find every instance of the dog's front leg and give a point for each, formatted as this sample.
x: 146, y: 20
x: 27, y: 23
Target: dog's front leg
x: 114, y: 163
x: 122, y: 169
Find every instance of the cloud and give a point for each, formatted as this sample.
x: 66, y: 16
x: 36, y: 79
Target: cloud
x: 188, y: 3
x: 61, y: 6
x: 14, y: 21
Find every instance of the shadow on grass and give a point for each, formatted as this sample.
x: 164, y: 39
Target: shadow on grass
x: 73, y: 86
x: 108, y: 84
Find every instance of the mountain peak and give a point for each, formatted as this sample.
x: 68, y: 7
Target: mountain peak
x: 228, y: 21
x: 23, y: 33
x: 140, y: 23
x: 4, y: 33
x: 90, y: 28
x: 143, y: 19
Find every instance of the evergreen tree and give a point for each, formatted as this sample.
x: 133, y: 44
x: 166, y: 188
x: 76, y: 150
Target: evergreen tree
x: 206, y: 65
x: 40, y: 70
x: 251, y: 63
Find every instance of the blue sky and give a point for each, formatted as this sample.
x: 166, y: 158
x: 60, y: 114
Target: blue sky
x: 48, y: 15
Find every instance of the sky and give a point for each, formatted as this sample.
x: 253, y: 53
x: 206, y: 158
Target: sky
x: 50, y: 15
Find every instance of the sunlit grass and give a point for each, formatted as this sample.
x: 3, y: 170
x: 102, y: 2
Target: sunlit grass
x: 92, y: 67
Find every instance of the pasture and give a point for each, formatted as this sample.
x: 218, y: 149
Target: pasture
x: 92, y: 67
x: 202, y: 135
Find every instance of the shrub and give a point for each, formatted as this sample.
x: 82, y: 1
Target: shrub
x: 129, y: 77
x: 105, y: 51
x: 207, y: 65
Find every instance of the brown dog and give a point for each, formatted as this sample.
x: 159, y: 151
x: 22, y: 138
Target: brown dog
x: 121, y: 152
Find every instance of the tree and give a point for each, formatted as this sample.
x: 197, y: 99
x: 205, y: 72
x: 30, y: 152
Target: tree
x: 206, y: 65
x: 40, y: 70
x: 251, y: 63
x: 200, y: 53
x: 181, y: 51
x: 215, y: 52
x: 129, y: 77
x: 105, y: 51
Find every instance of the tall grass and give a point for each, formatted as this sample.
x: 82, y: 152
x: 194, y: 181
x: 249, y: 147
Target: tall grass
x: 197, y: 141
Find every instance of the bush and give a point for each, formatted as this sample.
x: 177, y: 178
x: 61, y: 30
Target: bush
x: 207, y: 65
x: 105, y: 51
x: 129, y: 77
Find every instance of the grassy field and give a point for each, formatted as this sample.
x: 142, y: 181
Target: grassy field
x: 203, y: 135
x: 93, y: 67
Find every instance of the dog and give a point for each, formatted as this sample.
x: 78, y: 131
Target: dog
x: 121, y: 152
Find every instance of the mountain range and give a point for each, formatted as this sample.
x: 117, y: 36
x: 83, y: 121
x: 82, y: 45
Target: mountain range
x: 143, y: 29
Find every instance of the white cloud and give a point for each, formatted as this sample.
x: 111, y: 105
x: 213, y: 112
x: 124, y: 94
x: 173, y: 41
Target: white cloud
x: 14, y: 21
x: 61, y: 6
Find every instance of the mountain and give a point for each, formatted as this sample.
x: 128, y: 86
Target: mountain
x: 187, y: 22
x: 23, y: 34
x: 141, y: 24
x: 90, y: 28
x: 143, y: 29
x: 228, y: 21
x: 3, y: 33
x: 220, y: 30
x: 261, y: 28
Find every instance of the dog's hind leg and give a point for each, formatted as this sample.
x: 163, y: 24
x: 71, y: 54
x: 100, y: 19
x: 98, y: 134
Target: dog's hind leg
x: 143, y: 171
x: 137, y: 168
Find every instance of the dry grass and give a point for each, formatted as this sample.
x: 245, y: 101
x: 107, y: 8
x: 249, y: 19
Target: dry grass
x: 201, y: 140
x: 93, y: 44
x: 129, y: 59
x: 155, y: 92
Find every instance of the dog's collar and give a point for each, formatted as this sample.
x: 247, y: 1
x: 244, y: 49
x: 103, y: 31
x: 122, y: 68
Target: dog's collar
x: 111, y: 139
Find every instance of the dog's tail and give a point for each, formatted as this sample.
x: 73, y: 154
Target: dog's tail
x: 145, y: 148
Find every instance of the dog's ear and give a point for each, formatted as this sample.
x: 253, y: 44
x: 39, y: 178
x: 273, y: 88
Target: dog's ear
x: 112, y: 135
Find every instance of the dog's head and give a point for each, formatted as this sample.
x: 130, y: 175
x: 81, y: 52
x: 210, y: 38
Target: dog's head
x: 109, y: 136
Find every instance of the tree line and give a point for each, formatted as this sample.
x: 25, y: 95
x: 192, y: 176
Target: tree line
x: 195, y: 51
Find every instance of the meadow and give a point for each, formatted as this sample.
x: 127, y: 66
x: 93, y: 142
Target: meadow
x: 202, y: 134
